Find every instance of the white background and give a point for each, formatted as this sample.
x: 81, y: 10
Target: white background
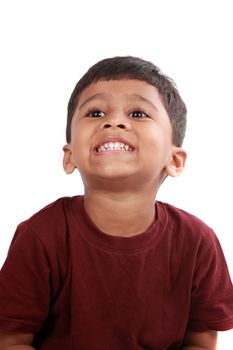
x: 45, y: 48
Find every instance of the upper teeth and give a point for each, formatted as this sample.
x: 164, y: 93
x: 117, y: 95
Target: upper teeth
x: 114, y: 146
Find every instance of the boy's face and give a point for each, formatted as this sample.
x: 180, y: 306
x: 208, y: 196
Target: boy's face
x: 121, y: 133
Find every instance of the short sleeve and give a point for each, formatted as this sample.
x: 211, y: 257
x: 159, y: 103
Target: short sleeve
x: 212, y: 290
x: 24, y: 284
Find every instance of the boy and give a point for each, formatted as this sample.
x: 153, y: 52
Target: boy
x: 114, y: 269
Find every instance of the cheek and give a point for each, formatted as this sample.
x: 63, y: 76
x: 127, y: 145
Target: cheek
x: 81, y: 150
x: 79, y: 133
x: 156, y: 146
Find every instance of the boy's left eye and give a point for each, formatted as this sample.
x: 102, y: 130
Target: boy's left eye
x: 138, y: 114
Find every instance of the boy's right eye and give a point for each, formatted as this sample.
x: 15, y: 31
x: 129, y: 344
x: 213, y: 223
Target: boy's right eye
x: 95, y: 113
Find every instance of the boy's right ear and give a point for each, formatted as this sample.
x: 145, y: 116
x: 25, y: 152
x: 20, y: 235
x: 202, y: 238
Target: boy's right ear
x: 68, y: 163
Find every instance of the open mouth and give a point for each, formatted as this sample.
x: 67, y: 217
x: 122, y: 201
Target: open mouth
x: 114, y: 146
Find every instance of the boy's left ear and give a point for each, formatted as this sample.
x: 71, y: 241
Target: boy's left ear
x: 176, y: 162
x: 68, y: 163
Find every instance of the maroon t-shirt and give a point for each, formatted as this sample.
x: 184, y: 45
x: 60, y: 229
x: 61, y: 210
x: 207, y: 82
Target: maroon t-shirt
x: 78, y: 288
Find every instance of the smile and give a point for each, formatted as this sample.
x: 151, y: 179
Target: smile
x: 114, y: 146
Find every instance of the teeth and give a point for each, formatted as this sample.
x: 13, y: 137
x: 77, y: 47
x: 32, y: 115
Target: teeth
x: 101, y: 148
x: 114, y: 146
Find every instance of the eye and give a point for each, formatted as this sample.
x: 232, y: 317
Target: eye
x: 95, y: 113
x: 137, y: 114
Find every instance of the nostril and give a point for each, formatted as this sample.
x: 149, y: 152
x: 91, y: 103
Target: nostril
x: 106, y: 126
x: 121, y: 126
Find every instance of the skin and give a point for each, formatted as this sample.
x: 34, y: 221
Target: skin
x: 16, y: 341
x: 120, y: 186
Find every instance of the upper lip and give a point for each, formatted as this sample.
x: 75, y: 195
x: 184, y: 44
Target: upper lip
x: 109, y: 138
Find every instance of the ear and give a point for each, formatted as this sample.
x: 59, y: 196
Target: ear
x: 68, y: 163
x: 176, y: 162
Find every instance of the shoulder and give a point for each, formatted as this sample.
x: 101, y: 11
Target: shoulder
x: 180, y: 215
x: 50, y: 224
x: 52, y: 210
x: 187, y: 229
x: 52, y: 213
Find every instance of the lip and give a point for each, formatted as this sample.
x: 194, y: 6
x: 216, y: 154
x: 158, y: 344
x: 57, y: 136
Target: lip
x: 113, y: 139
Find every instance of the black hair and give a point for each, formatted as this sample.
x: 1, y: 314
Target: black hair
x: 128, y: 67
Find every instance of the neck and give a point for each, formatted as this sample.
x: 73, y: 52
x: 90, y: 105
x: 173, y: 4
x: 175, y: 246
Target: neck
x: 121, y: 214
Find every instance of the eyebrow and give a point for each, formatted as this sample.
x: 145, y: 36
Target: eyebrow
x: 131, y: 97
x: 143, y: 99
x: 93, y: 97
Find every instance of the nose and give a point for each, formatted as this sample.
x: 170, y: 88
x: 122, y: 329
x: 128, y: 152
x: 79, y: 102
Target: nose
x: 107, y: 125
x: 115, y: 122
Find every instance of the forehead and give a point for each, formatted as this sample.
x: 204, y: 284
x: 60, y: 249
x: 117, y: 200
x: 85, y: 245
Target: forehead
x: 125, y: 89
